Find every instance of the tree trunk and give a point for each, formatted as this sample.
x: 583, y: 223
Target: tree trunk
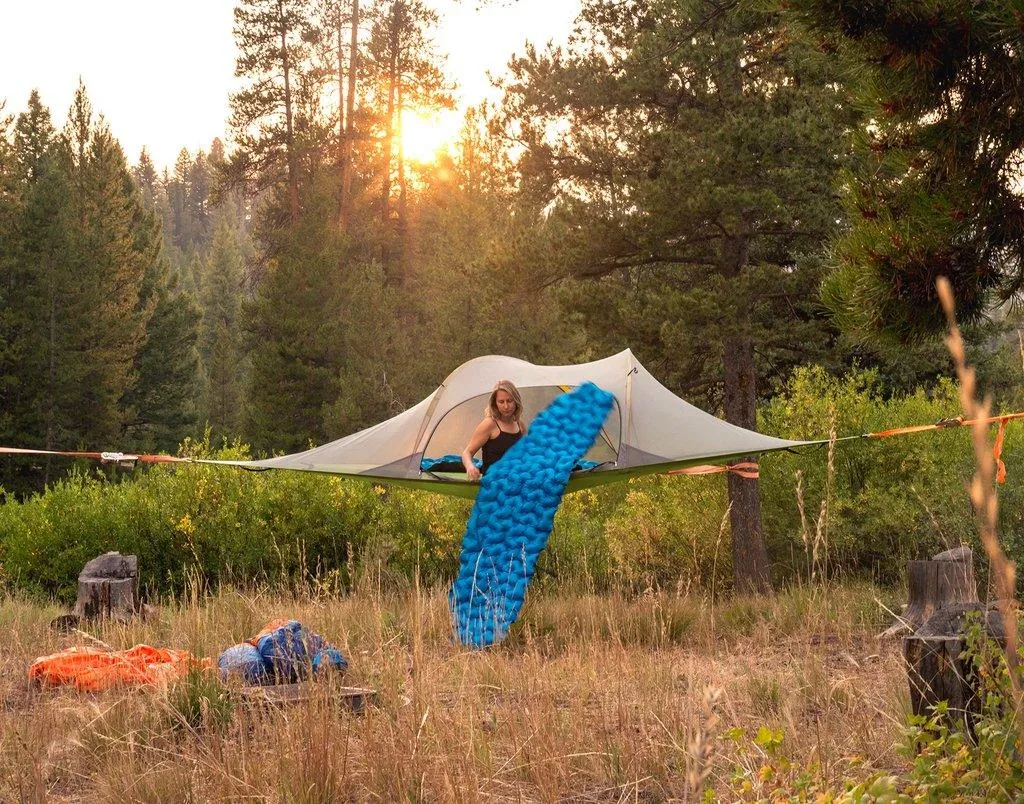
x: 389, y: 135
x: 936, y: 583
x: 749, y: 555
x: 940, y: 671
x: 936, y: 672
x: 348, y: 137
x: 293, y: 170
x: 402, y: 223
x: 342, y: 165
x: 51, y: 402
x: 750, y: 570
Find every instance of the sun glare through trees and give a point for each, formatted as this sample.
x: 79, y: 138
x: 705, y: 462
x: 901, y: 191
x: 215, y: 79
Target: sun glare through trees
x: 425, y: 134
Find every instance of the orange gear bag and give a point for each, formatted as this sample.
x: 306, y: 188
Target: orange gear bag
x: 95, y: 670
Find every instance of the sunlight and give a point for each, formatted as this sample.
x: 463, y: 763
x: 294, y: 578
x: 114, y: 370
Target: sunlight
x: 424, y: 134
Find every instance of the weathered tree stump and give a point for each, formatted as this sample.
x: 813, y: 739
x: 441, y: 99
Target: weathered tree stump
x: 937, y: 669
x: 108, y: 586
x: 947, y: 579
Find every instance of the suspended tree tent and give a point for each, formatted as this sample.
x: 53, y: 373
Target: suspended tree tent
x: 649, y: 430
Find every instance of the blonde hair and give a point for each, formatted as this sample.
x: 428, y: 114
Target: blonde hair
x: 492, y: 405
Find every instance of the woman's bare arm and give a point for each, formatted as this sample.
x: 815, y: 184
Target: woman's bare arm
x: 480, y: 436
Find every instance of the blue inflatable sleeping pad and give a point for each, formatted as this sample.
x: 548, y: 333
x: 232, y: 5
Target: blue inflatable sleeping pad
x: 514, y: 513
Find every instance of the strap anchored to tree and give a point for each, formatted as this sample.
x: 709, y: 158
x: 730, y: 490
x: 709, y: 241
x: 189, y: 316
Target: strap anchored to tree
x: 746, y: 469
x: 120, y: 458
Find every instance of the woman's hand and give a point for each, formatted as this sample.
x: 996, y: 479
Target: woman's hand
x: 472, y: 473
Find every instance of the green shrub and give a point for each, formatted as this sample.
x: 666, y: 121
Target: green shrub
x: 885, y: 500
x: 219, y: 524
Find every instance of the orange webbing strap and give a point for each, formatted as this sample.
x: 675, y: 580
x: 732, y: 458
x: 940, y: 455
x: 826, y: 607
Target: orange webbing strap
x: 997, y: 452
x: 744, y: 469
x: 943, y: 424
x: 959, y: 421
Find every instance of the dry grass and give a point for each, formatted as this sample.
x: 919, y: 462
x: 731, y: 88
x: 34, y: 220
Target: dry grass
x: 592, y: 699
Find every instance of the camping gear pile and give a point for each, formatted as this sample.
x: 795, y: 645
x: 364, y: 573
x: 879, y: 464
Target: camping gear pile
x: 283, y: 652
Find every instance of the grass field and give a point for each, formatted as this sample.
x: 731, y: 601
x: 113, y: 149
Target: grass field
x: 593, y: 698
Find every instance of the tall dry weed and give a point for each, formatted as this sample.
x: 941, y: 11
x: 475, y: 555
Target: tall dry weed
x: 984, y: 498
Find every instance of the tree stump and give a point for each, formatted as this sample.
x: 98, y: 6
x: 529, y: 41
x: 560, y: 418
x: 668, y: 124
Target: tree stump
x: 937, y: 669
x: 108, y: 586
x: 946, y: 579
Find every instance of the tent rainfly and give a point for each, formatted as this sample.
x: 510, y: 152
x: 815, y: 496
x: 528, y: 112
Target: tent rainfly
x: 649, y: 430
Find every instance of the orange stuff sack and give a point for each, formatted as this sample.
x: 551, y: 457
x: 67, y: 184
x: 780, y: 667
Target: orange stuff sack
x: 94, y: 670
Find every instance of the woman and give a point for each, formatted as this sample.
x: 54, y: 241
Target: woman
x: 501, y: 428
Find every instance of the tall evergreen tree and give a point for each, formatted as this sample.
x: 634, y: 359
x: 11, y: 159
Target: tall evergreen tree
x: 146, y: 179
x: 294, y: 342
x: 340, y: 22
x: 102, y: 320
x: 10, y: 210
x: 160, y: 406
x: 90, y: 278
x: 269, y: 38
x: 939, y: 191
x: 696, y: 145
x: 39, y: 272
x: 221, y: 345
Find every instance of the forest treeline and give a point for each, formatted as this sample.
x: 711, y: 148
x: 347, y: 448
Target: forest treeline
x: 732, y: 190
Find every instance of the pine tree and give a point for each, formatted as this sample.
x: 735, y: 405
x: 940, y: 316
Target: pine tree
x: 37, y: 273
x: 200, y: 180
x: 160, y: 406
x: 696, y: 145
x: 163, y: 403
x: 939, y: 190
x: 220, y: 340
x: 182, y: 226
x: 294, y: 344
x: 107, y: 260
x: 10, y: 211
x: 269, y: 38
x: 146, y: 179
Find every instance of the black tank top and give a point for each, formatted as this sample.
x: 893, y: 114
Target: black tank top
x: 495, y: 447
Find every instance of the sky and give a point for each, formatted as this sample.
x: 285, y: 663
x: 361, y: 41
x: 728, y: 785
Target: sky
x: 160, y: 72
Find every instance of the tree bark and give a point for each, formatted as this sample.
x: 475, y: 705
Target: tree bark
x: 108, y: 586
x: 403, y: 211
x: 348, y: 137
x: 293, y: 170
x: 751, y: 571
x: 944, y: 581
x: 936, y: 672
x: 937, y: 583
x: 939, y: 669
x: 342, y: 167
x: 389, y: 137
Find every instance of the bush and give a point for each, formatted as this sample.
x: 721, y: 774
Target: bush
x: 885, y: 500
x: 217, y: 524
